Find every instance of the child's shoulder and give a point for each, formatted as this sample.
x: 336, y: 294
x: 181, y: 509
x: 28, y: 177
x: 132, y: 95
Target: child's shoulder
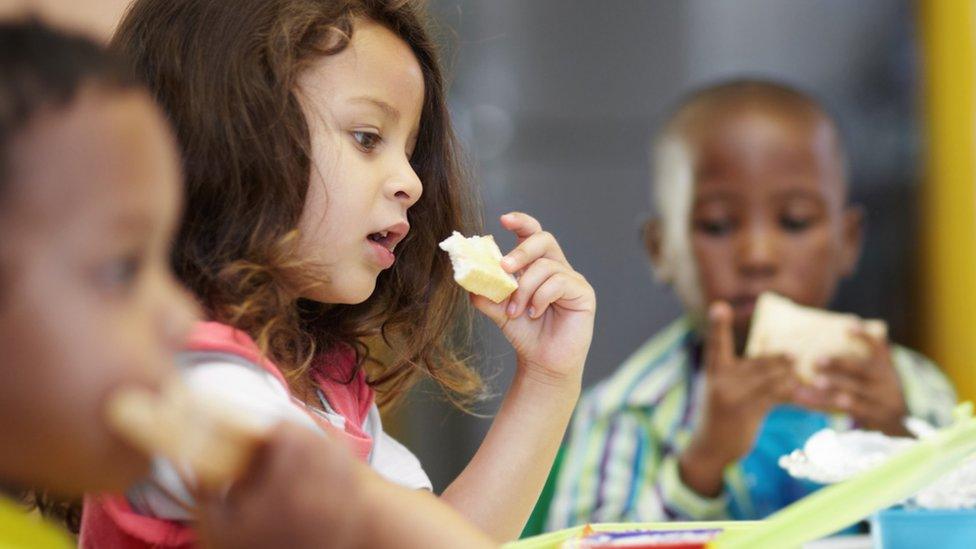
x: 217, y: 337
x: 658, y: 368
x: 928, y: 392
x: 911, y: 364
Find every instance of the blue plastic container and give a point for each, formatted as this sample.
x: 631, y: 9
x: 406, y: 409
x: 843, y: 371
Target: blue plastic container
x: 900, y: 528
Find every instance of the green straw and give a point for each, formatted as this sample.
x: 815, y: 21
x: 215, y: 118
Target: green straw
x: 841, y: 505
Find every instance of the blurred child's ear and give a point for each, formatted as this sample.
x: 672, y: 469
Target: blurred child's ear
x: 652, y: 235
x: 853, y: 238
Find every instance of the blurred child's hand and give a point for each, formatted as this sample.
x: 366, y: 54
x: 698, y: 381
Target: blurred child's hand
x: 738, y: 394
x: 549, y: 318
x: 867, y: 389
x: 301, y: 491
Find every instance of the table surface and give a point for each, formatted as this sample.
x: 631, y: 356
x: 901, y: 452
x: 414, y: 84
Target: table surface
x: 842, y: 542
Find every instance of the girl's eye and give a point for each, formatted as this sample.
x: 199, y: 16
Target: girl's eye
x: 715, y: 227
x: 118, y: 274
x: 795, y: 224
x: 367, y: 141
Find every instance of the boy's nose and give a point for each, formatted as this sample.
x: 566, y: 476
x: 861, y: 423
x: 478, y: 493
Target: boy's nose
x: 757, y: 255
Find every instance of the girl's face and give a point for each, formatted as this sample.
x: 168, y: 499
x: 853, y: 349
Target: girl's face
x: 363, y: 107
x: 87, y: 301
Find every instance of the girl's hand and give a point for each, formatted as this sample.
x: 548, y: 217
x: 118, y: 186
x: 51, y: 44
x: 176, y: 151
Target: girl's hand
x: 867, y: 389
x: 549, y: 318
x: 739, y: 392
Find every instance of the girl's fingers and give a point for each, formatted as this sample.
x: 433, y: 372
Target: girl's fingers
x: 530, y: 281
x: 537, y: 246
x: 494, y: 311
x: 565, y: 289
x: 522, y: 224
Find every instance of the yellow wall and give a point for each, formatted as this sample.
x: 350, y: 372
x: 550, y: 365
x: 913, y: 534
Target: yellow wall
x: 949, y: 191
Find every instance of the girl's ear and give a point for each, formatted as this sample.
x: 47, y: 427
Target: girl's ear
x: 853, y: 238
x: 652, y: 235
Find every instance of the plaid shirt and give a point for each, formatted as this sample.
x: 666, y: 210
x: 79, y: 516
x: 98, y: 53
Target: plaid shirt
x: 621, y: 462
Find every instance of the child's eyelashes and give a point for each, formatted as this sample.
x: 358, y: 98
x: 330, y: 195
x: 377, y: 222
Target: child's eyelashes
x: 715, y: 227
x: 796, y: 224
x: 367, y: 141
x: 118, y: 274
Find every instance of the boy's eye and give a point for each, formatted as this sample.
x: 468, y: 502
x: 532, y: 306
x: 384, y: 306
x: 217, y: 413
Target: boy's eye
x: 715, y: 227
x: 118, y: 274
x: 795, y: 224
x: 367, y: 141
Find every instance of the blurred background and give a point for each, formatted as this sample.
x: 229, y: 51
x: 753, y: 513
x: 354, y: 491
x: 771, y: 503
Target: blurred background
x: 556, y: 103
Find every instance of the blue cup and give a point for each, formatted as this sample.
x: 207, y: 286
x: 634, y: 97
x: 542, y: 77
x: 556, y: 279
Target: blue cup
x: 900, y: 528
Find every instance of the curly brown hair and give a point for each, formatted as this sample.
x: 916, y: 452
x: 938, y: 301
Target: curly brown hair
x: 226, y: 74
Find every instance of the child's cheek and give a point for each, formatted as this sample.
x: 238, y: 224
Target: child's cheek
x: 715, y: 262
x: 810, y: 268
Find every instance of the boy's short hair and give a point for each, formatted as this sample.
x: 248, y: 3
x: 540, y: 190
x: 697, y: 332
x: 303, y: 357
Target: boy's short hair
x: 768, y: 93
x: 42, y: 68
x: 672, y: 164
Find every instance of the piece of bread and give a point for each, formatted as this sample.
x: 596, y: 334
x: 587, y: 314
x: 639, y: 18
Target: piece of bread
x: 477, y: 266
x: 202, y: 435
x: 780, y: 326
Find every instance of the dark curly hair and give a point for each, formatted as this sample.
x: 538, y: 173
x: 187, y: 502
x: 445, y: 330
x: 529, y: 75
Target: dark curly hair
x: 226, y: 75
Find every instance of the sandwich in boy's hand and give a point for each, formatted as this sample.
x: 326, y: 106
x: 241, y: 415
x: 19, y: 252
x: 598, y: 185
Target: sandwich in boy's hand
x: 780, y: 326
x: 199, y: 434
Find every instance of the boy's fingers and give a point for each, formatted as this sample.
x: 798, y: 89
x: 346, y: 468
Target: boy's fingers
x: 522, y: 224
x: 812, y: 398
x: 780, y: 363
x: 878, y: 347
x: 719, y: 342
x: 838, y: 382
x: 778, y: 379
x: 843, y: 366
x: 537, y: 246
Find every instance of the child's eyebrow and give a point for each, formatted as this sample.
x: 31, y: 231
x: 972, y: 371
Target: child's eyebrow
x: 802, y: 193
x: 715, y: 195
x: 389, y: 110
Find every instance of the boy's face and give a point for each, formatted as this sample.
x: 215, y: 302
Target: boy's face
x: 87, y: 301
x: 769, y: 210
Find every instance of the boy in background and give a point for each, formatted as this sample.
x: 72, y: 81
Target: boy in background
x: 752, y: 196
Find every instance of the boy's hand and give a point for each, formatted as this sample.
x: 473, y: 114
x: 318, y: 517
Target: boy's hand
x: 738, y: 395
x: 867, y: 389
x: 549, y: 318
x: 300, y: 491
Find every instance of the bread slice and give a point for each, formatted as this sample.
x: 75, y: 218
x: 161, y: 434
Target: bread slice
x: 477, y: 266
x: 780, y: 326
x: 200, y: 434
